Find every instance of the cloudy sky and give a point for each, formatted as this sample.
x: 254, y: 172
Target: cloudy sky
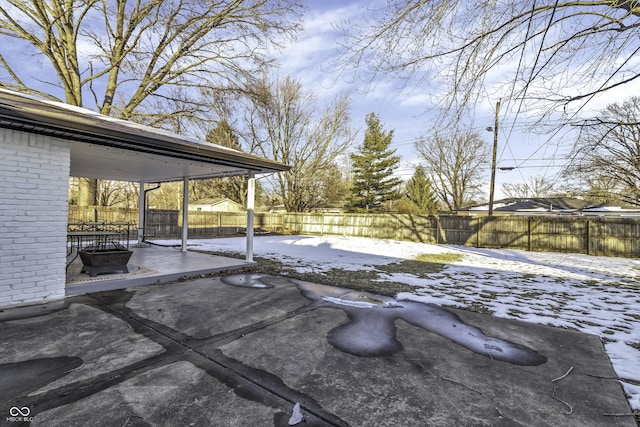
x: 313, y: 61
x: 403, y: 108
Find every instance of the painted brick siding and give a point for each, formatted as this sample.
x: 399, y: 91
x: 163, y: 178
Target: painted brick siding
x: 34, y: 177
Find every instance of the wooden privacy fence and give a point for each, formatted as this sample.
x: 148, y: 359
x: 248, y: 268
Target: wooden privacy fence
x: 100, y: 213
x: 596, y: 236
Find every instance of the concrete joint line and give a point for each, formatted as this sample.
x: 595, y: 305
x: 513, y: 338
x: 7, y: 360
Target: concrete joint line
x: 225, y: 368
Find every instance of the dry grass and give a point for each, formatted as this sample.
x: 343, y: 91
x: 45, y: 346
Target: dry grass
x: 424, y: 265
x: 446, y: 258
x: 366, y: 280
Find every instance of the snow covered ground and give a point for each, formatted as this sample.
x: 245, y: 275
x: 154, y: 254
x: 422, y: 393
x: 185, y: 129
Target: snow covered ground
x: 596, y: 295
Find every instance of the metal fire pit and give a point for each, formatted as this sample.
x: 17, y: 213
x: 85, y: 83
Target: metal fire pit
x: 105, y: 260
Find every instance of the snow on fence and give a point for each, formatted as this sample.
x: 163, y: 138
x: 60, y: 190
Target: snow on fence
x: 599, y: 236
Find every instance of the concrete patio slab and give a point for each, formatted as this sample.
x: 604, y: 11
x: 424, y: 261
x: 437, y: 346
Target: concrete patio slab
x: 149, y: 265
x: 243, y: 350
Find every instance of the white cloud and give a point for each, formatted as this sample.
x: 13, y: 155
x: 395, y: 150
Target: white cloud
x: 404, y: 108
x: 416, y: 100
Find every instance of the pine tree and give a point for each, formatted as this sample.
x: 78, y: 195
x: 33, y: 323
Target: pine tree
x: 420, y: 193
x: 373, y: 166
x: 223, y: 134
x: 234, y: 188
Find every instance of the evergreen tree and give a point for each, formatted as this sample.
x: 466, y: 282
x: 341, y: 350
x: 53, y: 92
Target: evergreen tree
x: 234, y: 188
x: 224, y: 134
x: 420, y: 193
x: 373, y: 166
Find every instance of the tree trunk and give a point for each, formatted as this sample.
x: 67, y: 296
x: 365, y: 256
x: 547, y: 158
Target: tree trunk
x: 87, y: 192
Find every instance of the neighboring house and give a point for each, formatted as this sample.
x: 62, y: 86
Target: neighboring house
x: 323, y: 209
x: 544, y: 206
x: 43, y: 143
x: 531, y: 206
x: 220, y: 204
x: 608, y: 210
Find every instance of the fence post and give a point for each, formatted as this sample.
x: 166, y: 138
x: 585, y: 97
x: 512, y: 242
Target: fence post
x: 433, y: 226
x: 344, y: 225
x: 588, y: 237
x: 165, y: 224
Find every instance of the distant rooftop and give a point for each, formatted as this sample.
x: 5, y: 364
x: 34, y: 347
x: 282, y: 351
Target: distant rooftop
x: 552, y: 204
x: 537, y: 204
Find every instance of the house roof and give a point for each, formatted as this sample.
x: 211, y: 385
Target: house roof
x: 537, y: 204
x: 107, y: 148
x: 557, y: 205
x: 213, y: 201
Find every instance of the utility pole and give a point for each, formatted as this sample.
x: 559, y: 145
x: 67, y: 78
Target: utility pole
x: 493, y: 161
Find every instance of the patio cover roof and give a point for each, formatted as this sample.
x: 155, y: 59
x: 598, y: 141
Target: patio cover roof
x: 107, y: 148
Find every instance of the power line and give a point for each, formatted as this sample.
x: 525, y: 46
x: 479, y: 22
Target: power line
x: 591, y: 96
x: 477, y: 129
x: 532, y: 166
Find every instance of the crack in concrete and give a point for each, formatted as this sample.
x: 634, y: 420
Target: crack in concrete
x: 247, y: 382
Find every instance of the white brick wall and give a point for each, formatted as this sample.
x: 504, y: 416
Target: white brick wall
x: 34, y: 177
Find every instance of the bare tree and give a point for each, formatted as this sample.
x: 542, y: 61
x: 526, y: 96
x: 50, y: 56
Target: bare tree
x: 117, y: 194
x: 286, y: 124
x: 167, y: 196
x: 606, y: 154
x: 454, y: 165
x: 546, y: 54
x: 536, y: 186
x: 334, y: 186
x: 597, y: 188
x: 152, y: 61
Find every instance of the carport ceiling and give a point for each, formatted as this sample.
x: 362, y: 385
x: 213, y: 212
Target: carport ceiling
x: 96, y: 161
x: 107, y: 148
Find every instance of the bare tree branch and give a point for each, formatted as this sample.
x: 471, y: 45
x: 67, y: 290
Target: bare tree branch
x: 138, y: 48
x: 551, y: 52
x: 454, y: 165
x: 130, y: 55
x: 286, y: 125
x: 537, y: 186
x: 606, y: 155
